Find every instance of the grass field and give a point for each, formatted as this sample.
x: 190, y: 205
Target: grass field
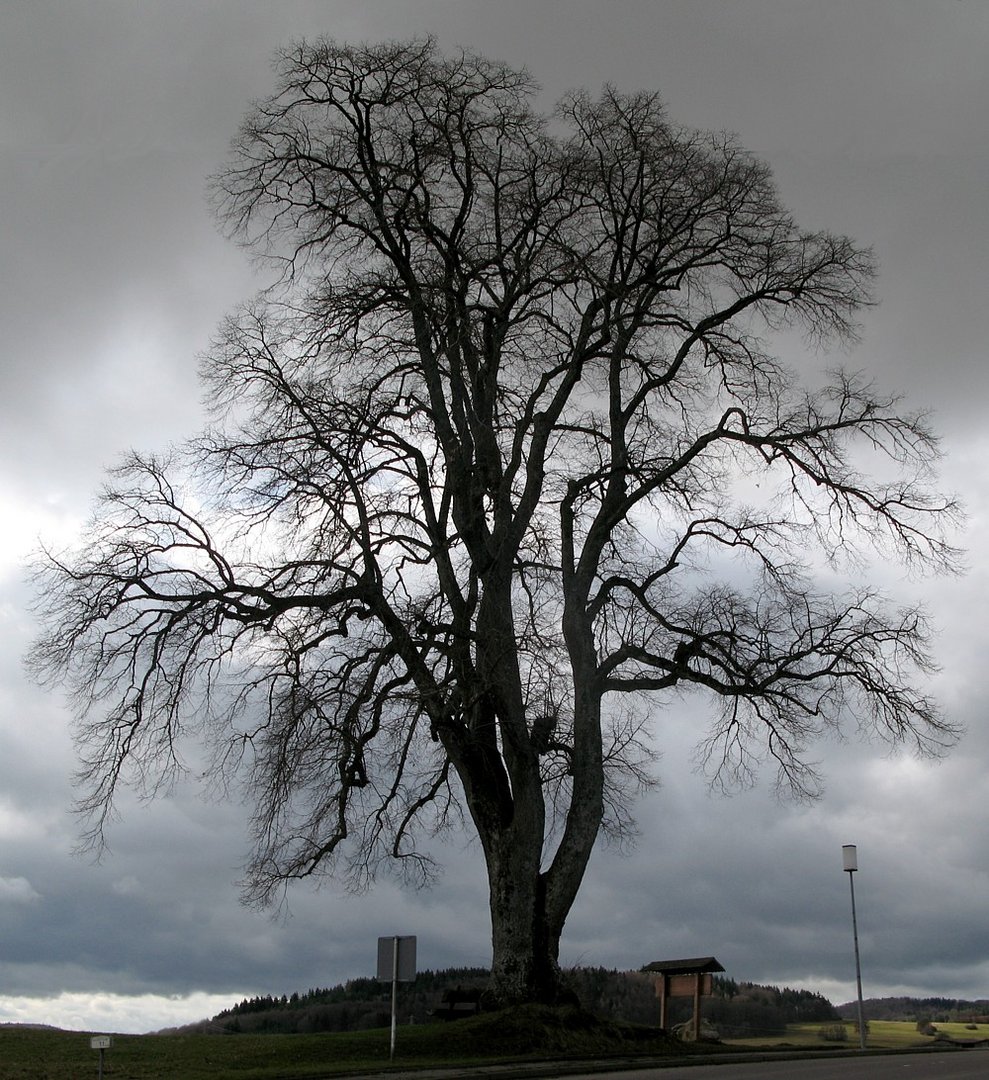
x: 58, y: 1055
x: 32, y: 1054
x: 882, y: 1035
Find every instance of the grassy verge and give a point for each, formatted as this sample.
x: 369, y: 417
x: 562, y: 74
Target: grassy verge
x: 526, y: 1034
x: 531, y: 1034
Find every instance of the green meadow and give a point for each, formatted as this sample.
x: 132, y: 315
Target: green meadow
x: 530, y: 1035
x: 59, y: 1055
x: 882, y: 1035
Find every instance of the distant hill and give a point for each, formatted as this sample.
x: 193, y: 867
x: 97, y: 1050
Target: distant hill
x: 737, y: 1009
x: 937, y: 1010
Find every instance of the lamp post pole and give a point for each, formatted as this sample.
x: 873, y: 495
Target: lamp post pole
x: 849, y: 857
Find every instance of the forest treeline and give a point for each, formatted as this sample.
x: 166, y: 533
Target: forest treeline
x: 736, y: 1009
x: 935, y: 1010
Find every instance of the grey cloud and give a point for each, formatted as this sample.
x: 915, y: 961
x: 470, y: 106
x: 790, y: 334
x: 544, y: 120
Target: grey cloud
x: 17, y: 890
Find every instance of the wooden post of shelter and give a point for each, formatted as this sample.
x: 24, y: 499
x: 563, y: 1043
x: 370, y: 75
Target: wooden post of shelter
x: 683, y: 978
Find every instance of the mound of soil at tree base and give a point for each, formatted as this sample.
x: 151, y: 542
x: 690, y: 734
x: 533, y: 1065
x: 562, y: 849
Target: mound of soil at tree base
x: 558, y: 1030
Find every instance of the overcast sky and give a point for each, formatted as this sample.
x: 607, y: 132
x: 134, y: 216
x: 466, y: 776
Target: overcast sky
x: 874, y: 117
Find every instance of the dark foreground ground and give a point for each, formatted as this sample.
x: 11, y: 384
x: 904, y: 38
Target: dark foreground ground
x: 524, y: 1044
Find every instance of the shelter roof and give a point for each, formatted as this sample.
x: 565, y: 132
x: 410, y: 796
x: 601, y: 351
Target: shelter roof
x: 697, y: 965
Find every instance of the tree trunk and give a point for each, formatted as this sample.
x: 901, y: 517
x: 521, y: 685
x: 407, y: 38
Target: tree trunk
x: 525, y: 946
x: 529, y: 905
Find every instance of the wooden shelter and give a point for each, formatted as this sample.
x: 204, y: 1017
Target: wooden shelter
x: 683, y: 978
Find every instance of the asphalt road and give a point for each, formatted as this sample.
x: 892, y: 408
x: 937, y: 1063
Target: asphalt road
x: 932, y: 1065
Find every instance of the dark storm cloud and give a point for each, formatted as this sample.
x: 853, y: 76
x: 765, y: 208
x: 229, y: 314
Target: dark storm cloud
x: 113, y: 278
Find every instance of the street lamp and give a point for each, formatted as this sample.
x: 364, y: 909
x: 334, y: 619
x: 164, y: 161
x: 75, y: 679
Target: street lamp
x: 849, y: 858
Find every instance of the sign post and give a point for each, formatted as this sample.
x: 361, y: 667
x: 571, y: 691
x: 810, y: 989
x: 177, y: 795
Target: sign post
x: 101, y: 1043
x: 396, y: 963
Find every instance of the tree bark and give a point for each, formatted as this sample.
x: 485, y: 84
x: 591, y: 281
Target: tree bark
x: 525, y: 945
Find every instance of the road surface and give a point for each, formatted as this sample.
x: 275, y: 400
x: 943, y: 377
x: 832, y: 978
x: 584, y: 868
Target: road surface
x: 930, y: 1065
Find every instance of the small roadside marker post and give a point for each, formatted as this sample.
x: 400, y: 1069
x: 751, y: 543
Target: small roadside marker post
x: 101, y: 1043
x: 396, y: 963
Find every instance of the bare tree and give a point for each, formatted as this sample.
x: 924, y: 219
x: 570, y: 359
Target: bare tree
x: 500, y: 464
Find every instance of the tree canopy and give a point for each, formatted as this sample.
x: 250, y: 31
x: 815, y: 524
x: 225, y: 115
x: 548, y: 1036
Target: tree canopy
x: 502, y: 461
